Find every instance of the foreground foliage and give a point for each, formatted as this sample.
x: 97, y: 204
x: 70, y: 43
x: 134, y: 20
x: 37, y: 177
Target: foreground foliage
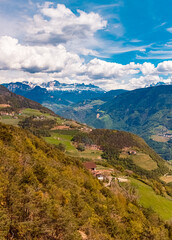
x: 46, y: 195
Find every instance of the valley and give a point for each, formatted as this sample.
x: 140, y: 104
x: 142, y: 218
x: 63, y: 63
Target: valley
x: 85, y: 120
x: 129, y: 168
x: 146, y: 112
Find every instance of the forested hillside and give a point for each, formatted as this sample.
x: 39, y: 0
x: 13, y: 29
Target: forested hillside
x: 47, y: 195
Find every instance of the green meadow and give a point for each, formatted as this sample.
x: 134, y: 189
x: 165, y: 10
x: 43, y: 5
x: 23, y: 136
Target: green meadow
x: 149, y: 199
x: 57, y: 138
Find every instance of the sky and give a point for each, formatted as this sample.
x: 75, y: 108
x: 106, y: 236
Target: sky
x: 119, y: 44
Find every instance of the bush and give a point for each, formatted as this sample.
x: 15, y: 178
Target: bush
x: 81, y: 147
x: 61, y: 147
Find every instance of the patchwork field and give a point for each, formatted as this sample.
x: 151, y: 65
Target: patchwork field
x: 148, y: 199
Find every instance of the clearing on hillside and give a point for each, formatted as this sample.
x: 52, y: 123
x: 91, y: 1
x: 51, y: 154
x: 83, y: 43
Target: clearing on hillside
x: 57, y: 138
x: 167, y: 179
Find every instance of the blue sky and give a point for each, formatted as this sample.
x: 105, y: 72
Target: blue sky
x: 112, y: 44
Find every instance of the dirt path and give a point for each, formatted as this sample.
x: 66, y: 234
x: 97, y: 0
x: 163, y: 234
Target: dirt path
x: 83, y: 235
x: 110, y: 178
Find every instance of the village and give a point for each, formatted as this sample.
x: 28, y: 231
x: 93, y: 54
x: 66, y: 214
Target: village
x: 164, y: 132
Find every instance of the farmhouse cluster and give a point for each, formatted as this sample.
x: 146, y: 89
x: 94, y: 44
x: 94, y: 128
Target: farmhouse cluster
x: 102, y: 175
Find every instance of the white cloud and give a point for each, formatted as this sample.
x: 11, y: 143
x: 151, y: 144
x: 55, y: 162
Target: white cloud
x: 59, y: 25
x: 143, y: 81
x: 113, y: 5
x: 147, y: 68
x: 97, y: 68
x: 55, y: 40
x: 35, y: 58
x: 165, y: 67
x: 45, y: 63
x: 169, y: 29
x: 157, y: 54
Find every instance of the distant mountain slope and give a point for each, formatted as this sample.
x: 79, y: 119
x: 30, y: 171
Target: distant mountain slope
x: 111, y: 94
x: 147, y: 112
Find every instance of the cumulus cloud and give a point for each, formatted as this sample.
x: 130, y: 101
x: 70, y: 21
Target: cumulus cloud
x: 147, y: 68
x: 143, y: 81
x: 59, y: 24
x: 165, y: 67
x: 35, y: 58
x: 55, y: 62
x: 97, y: 68
x: 56, y: 39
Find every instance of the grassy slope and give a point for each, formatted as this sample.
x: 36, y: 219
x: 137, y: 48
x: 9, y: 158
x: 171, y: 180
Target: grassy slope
x: 120, y: 140
x: 57, y: 138
x: 9, y: 120
x: 158, y: 138
x: 144, y: 161
x: 166, y: 179
x: 19, y: 102
x: 149, y: 199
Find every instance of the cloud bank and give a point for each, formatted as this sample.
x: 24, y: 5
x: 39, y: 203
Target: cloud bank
x: 56, y: 41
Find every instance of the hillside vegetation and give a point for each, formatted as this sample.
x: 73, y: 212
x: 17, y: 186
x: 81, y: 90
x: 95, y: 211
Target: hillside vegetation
x: 47, y: 195
x: 146, y: 112
x: 117, y: 144
x: 15, y: 102
x: 108, y: 148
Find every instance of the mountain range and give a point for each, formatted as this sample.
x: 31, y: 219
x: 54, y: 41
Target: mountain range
x: 55, y: 91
